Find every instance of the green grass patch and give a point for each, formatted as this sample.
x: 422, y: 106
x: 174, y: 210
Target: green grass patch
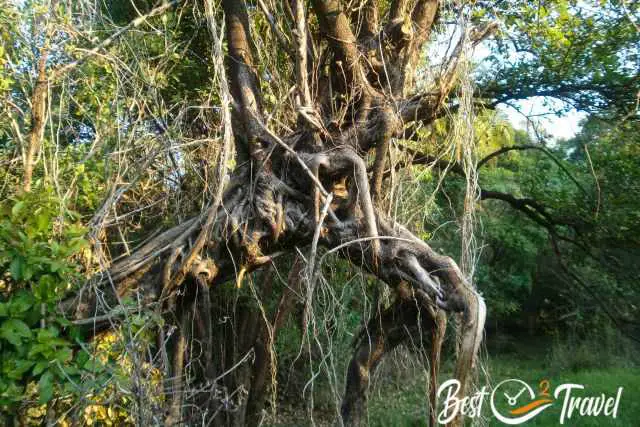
x: 402, y: 401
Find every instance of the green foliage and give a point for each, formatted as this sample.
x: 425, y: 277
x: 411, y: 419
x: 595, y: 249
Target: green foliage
x: 582, y: 52
x: 39, y: 241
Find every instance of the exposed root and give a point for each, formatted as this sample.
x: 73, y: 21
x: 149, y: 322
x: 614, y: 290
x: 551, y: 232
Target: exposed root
x: 405, y: 319
x: 437, y: 337
x: 206, y: 315
x: 240, y: 278
x: 241, y: 240
x: 472, y: 328
x: 176, y: 386
x: 431, y: 288
x: 204, y: 269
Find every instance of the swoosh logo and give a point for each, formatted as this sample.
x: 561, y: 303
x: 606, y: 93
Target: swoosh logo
x: 530, y: 406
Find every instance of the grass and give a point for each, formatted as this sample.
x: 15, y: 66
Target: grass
x: 601, y: 368
x: 398, y: 393
x: 596, y: 381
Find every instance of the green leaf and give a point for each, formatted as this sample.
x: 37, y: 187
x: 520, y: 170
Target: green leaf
x: 48, y: 333
x: 93, y: 365
x: 44, y: 349
x: 76, y: 245
x: 42, y: 221
x: 20, y: 367
x: 15, y: 210
x: 21, y: 303
x: 46, y: 287
x: 55, y: 266
x: 13, y: 330
x: 16, y: 268
x: 46, y: 387
x: 63, y: 355
x: 40, y: 366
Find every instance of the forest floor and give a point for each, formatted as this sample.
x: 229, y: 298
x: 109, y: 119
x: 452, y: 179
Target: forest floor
x: 404, y: 404
x: 598, y: 368
x: 398, y: 391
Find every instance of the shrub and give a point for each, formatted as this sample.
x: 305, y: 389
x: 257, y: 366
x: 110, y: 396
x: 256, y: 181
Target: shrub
x: 39, y: 243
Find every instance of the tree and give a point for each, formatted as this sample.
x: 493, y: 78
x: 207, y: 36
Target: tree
x: 305, y: 140
x: 283, y: 193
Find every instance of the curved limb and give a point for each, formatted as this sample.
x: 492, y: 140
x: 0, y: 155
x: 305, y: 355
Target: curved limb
x: 437, y: 338
x: 429, y: 272
x: 343, y: 159
x: 408, y: 316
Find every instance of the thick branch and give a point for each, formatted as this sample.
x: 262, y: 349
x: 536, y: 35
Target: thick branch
x: 423, y: 17
x: 38, y: 119
x: 536, y: 212
x: 369, y: 26
x: 336, y: 28
x: 39, y: 99
x: 397, y: 9
x: 243, y: 77
x: 364, y: 19
x: 473, y: 37
x: 419, y: 158
x: 530, y: 207
x: 378, y: 169
x: 302, y: 82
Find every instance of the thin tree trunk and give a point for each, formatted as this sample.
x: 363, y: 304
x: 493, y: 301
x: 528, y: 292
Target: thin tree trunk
x: 38, y: 118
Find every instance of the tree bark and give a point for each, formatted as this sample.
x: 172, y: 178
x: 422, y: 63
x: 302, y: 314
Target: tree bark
x: 271, y: 204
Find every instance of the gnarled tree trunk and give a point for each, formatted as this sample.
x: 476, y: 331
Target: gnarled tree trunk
x: 311, y: 187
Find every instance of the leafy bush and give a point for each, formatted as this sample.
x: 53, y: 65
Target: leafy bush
x: 40, y: 242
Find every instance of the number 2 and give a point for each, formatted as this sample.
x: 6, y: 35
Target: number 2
x: 544, y: 387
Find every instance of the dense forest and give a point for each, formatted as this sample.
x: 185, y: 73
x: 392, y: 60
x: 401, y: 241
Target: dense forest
x: 260, y: 212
